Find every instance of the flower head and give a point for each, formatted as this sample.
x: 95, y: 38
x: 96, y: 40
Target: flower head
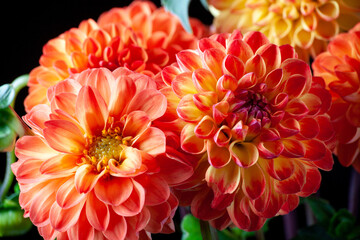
x: 258, y: 119
x: 340, y: 68
x: 139, y: 37
x: 306, y: 25
x: 93, y: 168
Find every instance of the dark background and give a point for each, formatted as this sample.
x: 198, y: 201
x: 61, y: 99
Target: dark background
x: 27, y: 25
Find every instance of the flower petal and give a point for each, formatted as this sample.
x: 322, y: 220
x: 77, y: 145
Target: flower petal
x: 113, y: 190
x: 190, y: 142
x: 86, y: 177
x: 134, y: 204
x: 218, y: 157
x: 253, y: 181
x: 60, y: 165
x: 227, y: 178
x: 91, y: 111
x: 245, y: 154
x: 67, y: 196
x: 64, y: 136
x: 97, y: 212
x: 123, y: 90
x: 150, y: 101
x: 117, y: 227
x: 33, y: 147
x: 62, y: 219
x: 156, y: 189
x: 135, y: 124
x: 151, y: 141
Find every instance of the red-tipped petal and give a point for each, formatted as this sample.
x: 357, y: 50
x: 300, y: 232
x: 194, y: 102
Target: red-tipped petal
x: 253, y: 181
x: 190, y: 142
x: 245, y: 154
x: 227, y: 178
x: 217, y: 156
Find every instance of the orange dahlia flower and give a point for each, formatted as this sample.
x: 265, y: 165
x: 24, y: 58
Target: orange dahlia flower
x: 340, y: 67
x: 139, y: 37
x: 305, y: 24
x: 258, y: 119
x: 93, y: 168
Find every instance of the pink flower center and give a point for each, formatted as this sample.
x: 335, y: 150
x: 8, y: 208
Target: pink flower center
x: 101, y: 149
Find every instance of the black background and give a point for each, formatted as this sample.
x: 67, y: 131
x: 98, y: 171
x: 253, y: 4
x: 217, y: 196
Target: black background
x: 27, y: 25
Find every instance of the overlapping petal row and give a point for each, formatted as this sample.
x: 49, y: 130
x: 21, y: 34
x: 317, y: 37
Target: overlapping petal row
x: 95, y: 167
x: 340, y: 68
x: 257, y: 119
x: 306, y: 25
x: 139, y: 37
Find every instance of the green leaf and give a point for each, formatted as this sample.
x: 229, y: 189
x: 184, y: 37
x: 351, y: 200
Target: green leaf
x: 322, y: 210
x: 190, y: 227
x: 314, y: 232
x: 181, y: 9
x: 205, y: 4
x: 342, y: 223
x: 7, y: 95
x: 10, y: 127
x: 12, y: 222
x: 7, y: 138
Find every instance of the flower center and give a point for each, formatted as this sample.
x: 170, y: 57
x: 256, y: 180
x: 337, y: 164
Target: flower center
x: 100, y: 149
x: 255, y: 104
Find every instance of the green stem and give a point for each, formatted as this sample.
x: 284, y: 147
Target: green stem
x: 18, y: 84
x: 208, y: 232
x: 9, y: 176
x: 259, y: 234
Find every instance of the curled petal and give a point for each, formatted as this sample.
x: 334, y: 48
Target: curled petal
x: 187, y: 109
x: 183, y: 83
x: 295, y: 182
x: 190, y: 142
x: 226, y: 179
x: 205, y: 128
x: 223, y: 136
x: 245, y: 154
x: 86, y: 177
x: 218, y: 157
x: 257, y: 65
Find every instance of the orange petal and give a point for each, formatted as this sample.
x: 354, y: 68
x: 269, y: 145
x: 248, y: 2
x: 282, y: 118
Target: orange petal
x: 240, y: 49
x: 233, y: 66
x: 218, y: 157
x: 60, y: 165
x: 91, y: 111
x: 134, y: 204
x: 226, y: 179
x: 254, y: 181
x: 86, y: 178
x: 255, y: 40
x: 64, y: 136
x: 135, y: 124
x: 33, y: 147
x: 327, y: 30
x: 294, y: 183
x: 131, y: 165
x: 245, y: 154
x: 312, y: 183
x: 187, y: 109
x: 297, y: 66
x: 157, y: 190
x: 183, y: 84
x: 256, y: 65
x: 188, y: 60
x: 67, y: 196
x: 280, y: 168
x: 223, y: 136
x: 151, y: 141
x: 150, y: 101
x: 315, y: 149
x: 213, y: 59
x: 220, y: 111
x: 207, y: 43
x: 328, y: 11
x: 82, y: 229
x: 62, y: 219
x: 117, y: 227
x: 204, y: 80
x: 190, y: 142
x: 293, y: 148
x: 113, y: 190
x: 205, y: 128
x: 271, y: 55
x: 239, y: 212
x: 205, y: 100
x: 123, y: 91
x: 97, y: 212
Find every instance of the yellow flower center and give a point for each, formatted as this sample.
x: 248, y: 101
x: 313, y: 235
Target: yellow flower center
x: 100, y: 149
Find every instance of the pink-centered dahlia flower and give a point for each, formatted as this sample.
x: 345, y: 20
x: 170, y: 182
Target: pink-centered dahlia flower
x: 340, y: 68
x: 305, y: 24
x: 95, y: 167
x: 140, y: 37
x: 257, y: 118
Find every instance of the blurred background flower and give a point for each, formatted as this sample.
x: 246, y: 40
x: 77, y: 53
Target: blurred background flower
x: 340, y: 68
x: 140, y: 37
x: 306, y: 25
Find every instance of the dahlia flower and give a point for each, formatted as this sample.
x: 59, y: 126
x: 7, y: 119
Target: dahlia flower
x: 92, y: 169
x: 139, y: 37
x: 306, y: 25
x: 340, y: 68
x: 257, y: 119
